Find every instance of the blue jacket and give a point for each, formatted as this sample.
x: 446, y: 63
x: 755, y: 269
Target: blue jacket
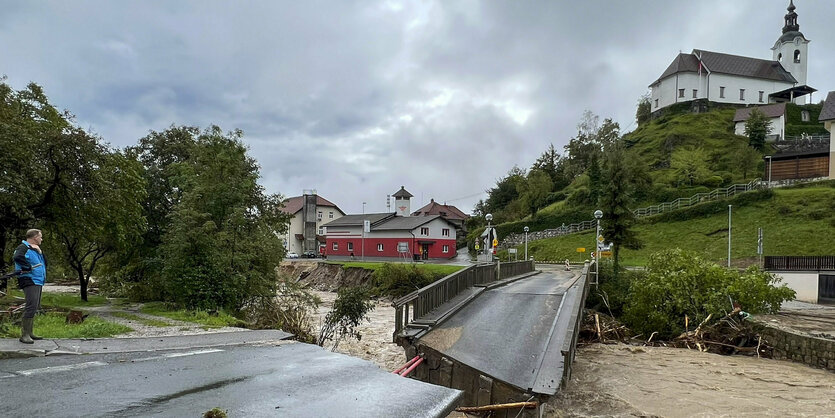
x: 25, y: 257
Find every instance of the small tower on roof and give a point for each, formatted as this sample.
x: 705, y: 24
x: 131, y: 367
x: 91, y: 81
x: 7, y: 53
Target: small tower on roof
x: 792, y: 48
x: 401, y: 202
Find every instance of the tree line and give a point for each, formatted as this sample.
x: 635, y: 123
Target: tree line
x: 178, y: 217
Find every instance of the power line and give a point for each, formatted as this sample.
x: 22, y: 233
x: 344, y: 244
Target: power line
x: 465, y: 197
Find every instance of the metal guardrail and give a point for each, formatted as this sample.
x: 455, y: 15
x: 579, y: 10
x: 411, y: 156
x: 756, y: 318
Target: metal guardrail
x: 680, y: 203
x: 800, y: 263
x: 424, y: 300
x: 569, y: 348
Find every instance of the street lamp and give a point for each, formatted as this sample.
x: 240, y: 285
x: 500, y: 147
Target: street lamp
x: 526, y: 242
x: 768, y: 157
x: 597, y: 215
x: 362, y: 243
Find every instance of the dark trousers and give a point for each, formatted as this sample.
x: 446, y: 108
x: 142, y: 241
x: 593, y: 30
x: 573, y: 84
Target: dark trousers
x: 32, y: 293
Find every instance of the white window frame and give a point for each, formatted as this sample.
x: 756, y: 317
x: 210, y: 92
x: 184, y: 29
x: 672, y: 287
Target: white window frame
x: 350, y: 246
x: 335, y: 246
x: 321, y: 230
x: 424, y: 228
x: 379, y: 246
x: 330, y: 215
x: 742, y: 95
x: 446, y: 249
x: 721, y: 92
x: 695, y: 93
x: 445, y: 232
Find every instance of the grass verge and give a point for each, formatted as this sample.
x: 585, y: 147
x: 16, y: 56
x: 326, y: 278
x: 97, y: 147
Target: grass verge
x: 53, y: 325
x: 208, y: 321
x: 66, y: 300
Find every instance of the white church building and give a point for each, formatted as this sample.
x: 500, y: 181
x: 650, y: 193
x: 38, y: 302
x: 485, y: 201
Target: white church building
x: 725, y: 78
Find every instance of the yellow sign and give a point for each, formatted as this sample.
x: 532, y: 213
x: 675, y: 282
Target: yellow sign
x: 581, y: 250
x: 495, y: 242
x: 605, y: 253
x: 600, y: 238
x: 476, y: 247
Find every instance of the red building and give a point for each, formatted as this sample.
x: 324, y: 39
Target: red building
x: 390, y: 237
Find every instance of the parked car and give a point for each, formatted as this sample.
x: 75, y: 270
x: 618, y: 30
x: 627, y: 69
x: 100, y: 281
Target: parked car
x: 292, y: 255
x: 309, y: 254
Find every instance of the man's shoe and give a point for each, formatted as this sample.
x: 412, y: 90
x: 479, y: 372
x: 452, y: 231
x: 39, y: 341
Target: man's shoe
x: 26, y: 330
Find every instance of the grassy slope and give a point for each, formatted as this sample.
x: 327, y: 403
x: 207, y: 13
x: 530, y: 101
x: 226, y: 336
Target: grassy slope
x: 794, y: 222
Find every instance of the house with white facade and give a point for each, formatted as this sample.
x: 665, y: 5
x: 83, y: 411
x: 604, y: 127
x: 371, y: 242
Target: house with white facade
x: 733, y: 79
x: 309, y: 213
x: 776, y: 114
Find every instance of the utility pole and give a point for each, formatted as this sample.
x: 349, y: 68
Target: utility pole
x: 729, y: 236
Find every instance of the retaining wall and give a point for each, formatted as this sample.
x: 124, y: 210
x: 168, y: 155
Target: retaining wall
x: 799, y: 347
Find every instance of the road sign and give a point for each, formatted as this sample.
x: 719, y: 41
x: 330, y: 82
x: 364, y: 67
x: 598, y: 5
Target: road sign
x: 600, y: 238
x: 605, y: 253
x: 495, y: 242
x: 511, y: 250
x: 581, y: 250
x: 592, y: 254
x: 477, y: 247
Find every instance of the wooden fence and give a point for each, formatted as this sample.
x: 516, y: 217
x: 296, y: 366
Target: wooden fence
x: 800, y: 263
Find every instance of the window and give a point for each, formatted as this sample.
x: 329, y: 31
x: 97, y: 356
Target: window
x: 319, y: 215
x: 656, y: 102
x: 721, y: 92
x: 445, y: 232
x: 446, y: 248
x: 321, y: 230
x: 442, y: 213
x: 780, y: 57
x: 804, y: 116
x: 761, y: 96
x: 350, y: 246
x: 336, y: 246
x: 330, y: 215
x: 797, y: 56
x: 741, y: 94
x: 680, y: 92
x: 695, y: 93
x: 424, y: 231
x: 380, y: 247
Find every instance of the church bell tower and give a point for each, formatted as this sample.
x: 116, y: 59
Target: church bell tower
x: 792, y: 48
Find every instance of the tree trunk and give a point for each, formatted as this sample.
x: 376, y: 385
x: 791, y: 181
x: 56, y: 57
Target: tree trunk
x: 82, y: 283
x: 616, y: 264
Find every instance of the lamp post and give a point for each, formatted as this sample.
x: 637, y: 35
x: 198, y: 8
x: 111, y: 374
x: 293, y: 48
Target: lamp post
x: 362, y: 251
x: 597, y: 215
x: 526, y: 242
x: 729, y: 236
x: 768, y: 157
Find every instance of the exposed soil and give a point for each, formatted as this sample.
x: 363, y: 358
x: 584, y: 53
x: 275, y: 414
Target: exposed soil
x: 323, y: 276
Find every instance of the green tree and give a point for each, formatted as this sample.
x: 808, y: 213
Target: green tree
x: 616, y: 198
x: 689, y: 165
x: 747, y: 159
x: 505, y: 192
x: 535, y: 190
x: 222, y: 244
x: 757, y: 127
x: 102, y: 213
x: 679, y: 284
x: 35, y: 162
x: 642, y: 114
x: 550, y: 162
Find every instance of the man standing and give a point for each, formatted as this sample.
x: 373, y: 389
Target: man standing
x: 29, y: 259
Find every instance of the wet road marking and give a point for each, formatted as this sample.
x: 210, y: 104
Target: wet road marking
x: 173, y: 355
x: 56, y: 369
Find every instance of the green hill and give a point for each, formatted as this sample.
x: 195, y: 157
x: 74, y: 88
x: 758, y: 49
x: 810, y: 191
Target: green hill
x: 795, y: 221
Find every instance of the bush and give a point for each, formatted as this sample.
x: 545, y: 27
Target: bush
x: 680, y: 284
x: 398, y: 280
x: 707, y: 209
x: 350, y: 308
x: 713, y: 181
x: 612, y: 293
x: 290, y: 310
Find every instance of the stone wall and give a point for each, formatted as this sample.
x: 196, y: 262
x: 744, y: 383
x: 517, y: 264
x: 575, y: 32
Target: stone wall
x: 802, y: 348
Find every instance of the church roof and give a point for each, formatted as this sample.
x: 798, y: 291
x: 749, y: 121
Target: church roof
x: 828, y: 111
x: 717, y: 62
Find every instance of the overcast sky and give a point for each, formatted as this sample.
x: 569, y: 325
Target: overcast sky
x: 355, y: 99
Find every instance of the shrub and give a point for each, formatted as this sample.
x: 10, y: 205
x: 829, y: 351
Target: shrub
x: 612, y: 291
x: 680, y: 284
x: 713, y: 181
x: 397, y: 280
x: 290, y: 310
x: 350, y: 308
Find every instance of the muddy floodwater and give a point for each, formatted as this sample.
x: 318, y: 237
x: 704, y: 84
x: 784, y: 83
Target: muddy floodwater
x: 624, y: 380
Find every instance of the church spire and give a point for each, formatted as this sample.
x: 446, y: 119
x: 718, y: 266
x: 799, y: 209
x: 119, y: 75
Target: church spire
x: 791, y: 19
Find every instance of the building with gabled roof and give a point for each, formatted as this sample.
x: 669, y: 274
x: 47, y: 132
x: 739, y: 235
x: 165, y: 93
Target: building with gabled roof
x: 448, y: 212
x: 733, y: 79
x: 304, y: 236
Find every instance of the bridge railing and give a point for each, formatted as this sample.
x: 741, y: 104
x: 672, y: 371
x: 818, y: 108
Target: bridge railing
x: 428, y: 298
